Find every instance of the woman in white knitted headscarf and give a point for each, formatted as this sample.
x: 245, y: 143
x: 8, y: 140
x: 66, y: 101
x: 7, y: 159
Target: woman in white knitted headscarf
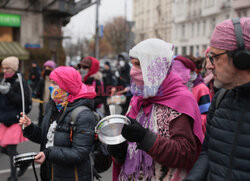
x: 165, y: 135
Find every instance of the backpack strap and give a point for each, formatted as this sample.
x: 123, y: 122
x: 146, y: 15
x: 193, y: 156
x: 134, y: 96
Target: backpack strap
x: 221, y: 95
x: 74, y: 115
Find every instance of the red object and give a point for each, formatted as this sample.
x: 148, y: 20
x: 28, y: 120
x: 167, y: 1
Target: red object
x: 70, y: 80
x: 93, y: 68
x: 11, y: 135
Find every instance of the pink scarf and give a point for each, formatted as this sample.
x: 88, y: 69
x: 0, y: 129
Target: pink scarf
x: 70, y: 80
x: 174, y: 94
x: 136, y: 75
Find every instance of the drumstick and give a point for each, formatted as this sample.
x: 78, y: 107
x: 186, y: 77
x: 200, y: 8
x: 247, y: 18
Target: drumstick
x: 22, y: 93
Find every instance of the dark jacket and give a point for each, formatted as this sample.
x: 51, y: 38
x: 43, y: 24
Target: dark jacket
x: 70, y: 160
x: 11, y: 103
x: 124, y: 79
x: 95, y: 80
x: 34, y: 77
x: 108, y: 79
x: 226, y: 149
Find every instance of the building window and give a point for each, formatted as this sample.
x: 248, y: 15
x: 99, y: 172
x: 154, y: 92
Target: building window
x: 176, y: 50
x: 209, y: 3
x: 192, y: 30
x: 198, y: 28
x: 213, y: 23
x: 197, y: 51
x: 204, y: 27
x: 204, y: 47
x: 184, y: 51
x: 191, y: 50
x: 245, y: 13
x: 183, y: 31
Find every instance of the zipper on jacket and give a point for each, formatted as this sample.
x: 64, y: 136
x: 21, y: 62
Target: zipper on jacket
x: 52, y: 174
x: 76, y: 174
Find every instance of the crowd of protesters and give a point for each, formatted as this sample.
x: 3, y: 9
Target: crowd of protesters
x: 190, y: 116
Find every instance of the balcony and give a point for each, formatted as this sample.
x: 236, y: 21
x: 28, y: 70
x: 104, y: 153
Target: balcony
x: 61, y: 7
x: 66, y: 7
x: 239, y: 4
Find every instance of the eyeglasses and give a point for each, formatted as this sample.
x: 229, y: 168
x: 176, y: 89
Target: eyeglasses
x: 211, y: 57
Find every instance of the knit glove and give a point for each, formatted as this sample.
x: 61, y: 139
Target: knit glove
x: 134, y: 132
x: 4, y: 88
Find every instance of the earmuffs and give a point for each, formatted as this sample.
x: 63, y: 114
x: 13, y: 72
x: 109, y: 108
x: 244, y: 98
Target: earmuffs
x: 241, y: 56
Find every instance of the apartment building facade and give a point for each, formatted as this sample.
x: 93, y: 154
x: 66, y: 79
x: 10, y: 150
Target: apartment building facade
x: 194, y: 24
x: 153, y: 19
x: 188, y: 24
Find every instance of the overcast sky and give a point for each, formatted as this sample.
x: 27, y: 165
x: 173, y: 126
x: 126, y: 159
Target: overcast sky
x: 83, y: 24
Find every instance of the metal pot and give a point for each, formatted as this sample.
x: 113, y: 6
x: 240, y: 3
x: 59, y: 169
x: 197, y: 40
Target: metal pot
x: 24, y: 157
x: 109, y: 129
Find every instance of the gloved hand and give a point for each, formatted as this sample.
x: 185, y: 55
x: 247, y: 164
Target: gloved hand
x: 134, y: 132
x: 4, y: 88
x: 118, y: 151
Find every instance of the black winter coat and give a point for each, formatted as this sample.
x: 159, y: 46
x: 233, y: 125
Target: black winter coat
x: 99, y: 89
x: 70, y: 160
x: 226, y: 149
x: 11, y: 103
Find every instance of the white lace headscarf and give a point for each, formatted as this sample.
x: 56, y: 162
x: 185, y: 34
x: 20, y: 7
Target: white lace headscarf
x: 155, y: 58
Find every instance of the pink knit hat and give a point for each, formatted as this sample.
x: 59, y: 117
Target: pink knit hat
x: 50, y: 63
x: 224, y: 38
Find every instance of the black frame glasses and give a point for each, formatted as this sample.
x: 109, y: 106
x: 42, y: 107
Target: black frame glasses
x: 211, y: 57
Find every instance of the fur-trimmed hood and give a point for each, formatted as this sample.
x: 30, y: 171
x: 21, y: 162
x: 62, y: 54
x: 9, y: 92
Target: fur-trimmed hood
x: 97, y: 76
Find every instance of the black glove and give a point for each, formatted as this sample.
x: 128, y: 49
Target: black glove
x: 134, y: 132
x: 118, y: 151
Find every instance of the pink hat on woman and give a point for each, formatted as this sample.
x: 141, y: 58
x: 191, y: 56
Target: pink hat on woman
x: 70, y: 80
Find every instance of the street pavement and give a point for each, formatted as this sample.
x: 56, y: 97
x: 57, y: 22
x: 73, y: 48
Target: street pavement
x: 29, y: 146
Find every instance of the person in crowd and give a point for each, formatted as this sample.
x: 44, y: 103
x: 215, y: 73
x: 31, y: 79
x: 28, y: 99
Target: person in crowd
x: 185, y: 68
x: 34, y: 77
x: 89, y: 69
x: 123, y: 80
x: 42, y: 90
x: 226, y: 148
x: 10, y: 108
x: 64, y: 151
x: 209, y: 76
x: 108, y: 81
x: 165, y: 134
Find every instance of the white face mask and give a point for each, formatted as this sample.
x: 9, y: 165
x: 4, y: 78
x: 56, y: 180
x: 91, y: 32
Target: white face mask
x: 122, y: 63
x: 83, y: 72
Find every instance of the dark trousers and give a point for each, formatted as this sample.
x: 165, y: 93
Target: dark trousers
x: 10, y: 150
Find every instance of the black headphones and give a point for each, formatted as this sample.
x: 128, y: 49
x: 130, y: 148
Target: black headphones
x: 241, y: 56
